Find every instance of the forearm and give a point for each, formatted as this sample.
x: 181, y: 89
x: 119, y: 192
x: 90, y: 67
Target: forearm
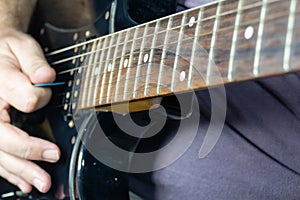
x: 16, y: 14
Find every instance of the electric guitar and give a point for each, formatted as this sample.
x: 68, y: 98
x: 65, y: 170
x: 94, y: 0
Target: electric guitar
x: 115, y: 61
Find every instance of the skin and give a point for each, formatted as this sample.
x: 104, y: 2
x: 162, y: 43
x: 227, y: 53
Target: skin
x: 22, y: 64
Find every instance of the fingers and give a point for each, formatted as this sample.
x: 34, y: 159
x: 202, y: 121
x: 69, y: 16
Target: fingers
x: 17, y: 149
x: 18, y: 143
x: 30, y: 58
x: 32, y: 61
x: 22, y: 64
x: 24, y: 173
x: 18, y: 91
x: 15, y: 180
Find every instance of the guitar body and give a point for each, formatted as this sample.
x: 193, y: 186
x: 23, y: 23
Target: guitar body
x: 178, y: 54
x: 56, y: 122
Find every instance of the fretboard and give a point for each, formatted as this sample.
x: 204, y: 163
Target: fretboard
x: 219, y: 43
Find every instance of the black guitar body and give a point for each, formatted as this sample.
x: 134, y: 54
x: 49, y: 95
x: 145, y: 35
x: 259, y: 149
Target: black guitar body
x: 79, y: 174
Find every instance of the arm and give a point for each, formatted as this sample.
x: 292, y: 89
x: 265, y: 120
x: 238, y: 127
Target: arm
x: 16, y: 13
x: 22, y: 64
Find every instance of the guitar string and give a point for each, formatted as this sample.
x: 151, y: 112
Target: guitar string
x: 73, y: 47
x: 119, y: 32
x: 229, y: 28
x: 82, y: 45
x: 103, y: 75
x: 156, y: 47
x: 119, y: 97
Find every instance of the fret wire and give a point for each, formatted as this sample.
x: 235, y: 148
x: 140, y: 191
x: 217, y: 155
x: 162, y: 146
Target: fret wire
x: 222, y: 30
x: 234, y: 41
x: 151, y: 57
x: 85, y: 66
x: 229, y: 12
x: 197, y: 30
x: 212, y: 45
x: 138, y: 68
x: 163, y: 56
x: 90, y: 41
x: 98, y: 71
x: 121, y: 65
x: 132, y: 78
x: 189, y: 10
x: 130, y: 62
x: 177, y: 52
x: 101, y: 68
x: 113, y: 82
x: 259, y: 38
x: 128, y: 92
x: 105, y: 70
x: 86, y: 84
x: 112, y: 68
x: 289, y: 36
x: 90, y: 72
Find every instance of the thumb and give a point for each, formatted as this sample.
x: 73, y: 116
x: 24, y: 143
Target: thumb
x: 32, y: 60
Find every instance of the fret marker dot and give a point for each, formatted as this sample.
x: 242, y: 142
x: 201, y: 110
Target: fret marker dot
x: 249, y: 32
x: 182, y: 76
x: 126, y: 61
x: 146, y: 57
x: 192, y: 21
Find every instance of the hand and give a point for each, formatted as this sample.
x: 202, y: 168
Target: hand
x: 22, y: 64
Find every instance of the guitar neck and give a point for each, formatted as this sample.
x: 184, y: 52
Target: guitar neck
x: 218, y: 43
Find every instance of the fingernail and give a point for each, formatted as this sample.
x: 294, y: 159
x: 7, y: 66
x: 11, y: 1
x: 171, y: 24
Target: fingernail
x: 42, y: 70
x: 51, y: 155
x: 40, y: 185
x: 43, y: 74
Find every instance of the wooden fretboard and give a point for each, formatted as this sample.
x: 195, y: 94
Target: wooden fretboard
x: 222, y: 42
